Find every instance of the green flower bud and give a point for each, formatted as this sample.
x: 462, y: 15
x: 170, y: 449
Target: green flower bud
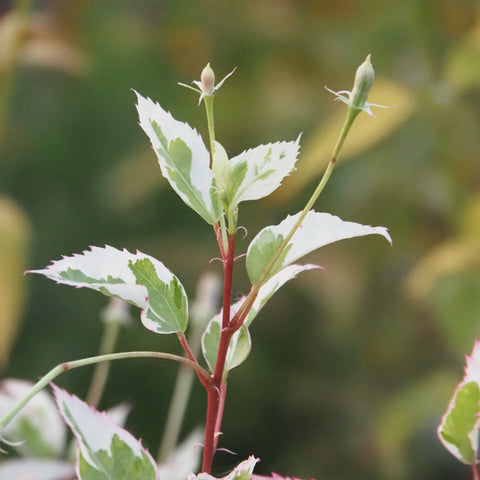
x: 364, y: 78
x: 357, y: 98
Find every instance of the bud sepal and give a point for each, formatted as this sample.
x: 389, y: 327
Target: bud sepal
x: 357, y: 98
x: 206, y: 84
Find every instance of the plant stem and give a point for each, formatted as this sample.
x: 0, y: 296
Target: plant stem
x: 216, y: 393
x: 221, y: 407
x: 215, y: 397
x: 202, y: 310
x: 208, y: 101
x: 206, y: 382
x: 213, y: 402
x: 245, y: 307
x: 64, y: 367
x: 475, y: 473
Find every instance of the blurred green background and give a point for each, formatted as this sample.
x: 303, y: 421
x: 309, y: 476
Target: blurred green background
x: 351, y: 368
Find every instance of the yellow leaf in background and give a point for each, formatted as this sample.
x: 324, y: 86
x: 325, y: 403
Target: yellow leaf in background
x: 470, y: 219
x: 450, y: 257
x: 13, y: 32
x: 459, y: 254
x: 148, y: 181
x: 463, y: 62
x: 14, y: 237
x: 365, y: 133
x: 34, y: 40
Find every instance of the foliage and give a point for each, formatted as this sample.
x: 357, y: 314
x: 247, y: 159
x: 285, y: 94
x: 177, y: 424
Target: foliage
x: 213, y: 186
x: 375, y: 336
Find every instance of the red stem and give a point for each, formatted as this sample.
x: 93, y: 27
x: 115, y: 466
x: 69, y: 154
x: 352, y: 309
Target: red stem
x: 191, y: 357
x: 476, y: 476
x: 226, y: 334
x: 221, y: 406
x: 216, y: 392
x: 210, y: 424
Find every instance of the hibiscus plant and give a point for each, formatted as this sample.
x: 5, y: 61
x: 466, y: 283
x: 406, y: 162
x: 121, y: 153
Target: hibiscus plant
x: 214, y: 186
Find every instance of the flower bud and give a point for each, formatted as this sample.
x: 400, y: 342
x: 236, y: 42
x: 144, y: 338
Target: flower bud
x: 207, y: 79
x: 363, y: 81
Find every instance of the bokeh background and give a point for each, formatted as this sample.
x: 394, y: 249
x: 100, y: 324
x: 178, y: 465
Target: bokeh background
x: 351, y: 368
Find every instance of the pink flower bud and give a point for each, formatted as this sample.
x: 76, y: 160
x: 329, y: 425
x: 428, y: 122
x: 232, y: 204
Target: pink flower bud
x: 207, y: 79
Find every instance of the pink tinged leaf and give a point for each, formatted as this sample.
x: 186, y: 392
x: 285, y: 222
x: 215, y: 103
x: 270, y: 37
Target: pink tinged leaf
x: 274, y: 476
x: 472, y: 368
x: 243, y: 471
x: 459, y: 428
x: 96, y: 435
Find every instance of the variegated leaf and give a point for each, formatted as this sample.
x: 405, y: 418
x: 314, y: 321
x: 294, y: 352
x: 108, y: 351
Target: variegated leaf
x: 240, y: 343
x: 315, y: 231
x: 106, y: 451
x: 243, y: 471
x: 184, y: 160
x: 136, y: 278
x: 459, y: 429
x: 273, y: 284
x: 38, y: 427
x: 255, y: 173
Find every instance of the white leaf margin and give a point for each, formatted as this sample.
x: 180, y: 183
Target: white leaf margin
x: 201, y: 175
x: 472, y: 374
x: 267, y: 290
x: 278, y: 158
x: 100, y: 263
x: 96, y: 428
x: 316, y: 230
x: 246, y: 467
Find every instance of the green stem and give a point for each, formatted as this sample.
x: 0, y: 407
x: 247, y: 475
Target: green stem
x: 63, y: 367
x: 245, y: 307
x: 208, y: 101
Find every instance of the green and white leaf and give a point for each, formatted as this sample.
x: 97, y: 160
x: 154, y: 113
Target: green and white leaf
x: 255, y: 173
x: 316, y: 230
x: 136, y: 278
x: 183, y: 158
x: 106, y: 451
x: 38, y: 427
x: 459, y: 429
x: 271, y: 286
x: 243, y: 471
x: 35, y: 469
x: 240, y: 343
